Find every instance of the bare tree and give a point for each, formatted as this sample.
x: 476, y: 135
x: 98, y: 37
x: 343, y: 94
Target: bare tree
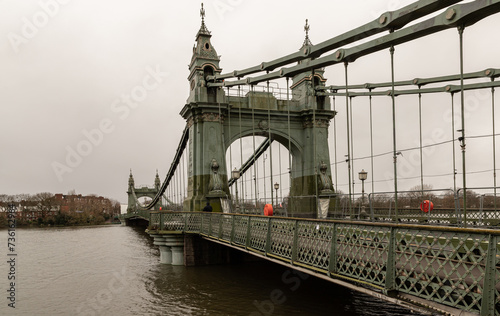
x: 45, y: 203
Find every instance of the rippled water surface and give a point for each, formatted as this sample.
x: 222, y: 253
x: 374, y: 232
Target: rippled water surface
x: 115, y: 270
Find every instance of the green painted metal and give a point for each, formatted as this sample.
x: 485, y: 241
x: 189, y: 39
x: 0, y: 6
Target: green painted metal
x: 390, y: 276
x: 232, y: 229
x: 247, y: 240
x: 295, y: 242
x: 457, y: 267
x: 489, y: 298
x: 332, y: 264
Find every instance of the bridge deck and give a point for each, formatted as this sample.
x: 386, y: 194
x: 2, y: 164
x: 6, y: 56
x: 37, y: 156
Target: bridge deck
x: 455, y: 267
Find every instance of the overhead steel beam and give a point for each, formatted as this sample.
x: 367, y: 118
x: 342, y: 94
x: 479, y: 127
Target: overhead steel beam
x: 447, y: 88
x: 458, y: 15
x: 391, y: 20
x: 487, y: 73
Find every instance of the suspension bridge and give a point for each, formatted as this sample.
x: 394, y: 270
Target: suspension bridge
x: 382, y: 243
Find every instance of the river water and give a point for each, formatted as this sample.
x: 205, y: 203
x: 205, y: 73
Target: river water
x: 115, y: 270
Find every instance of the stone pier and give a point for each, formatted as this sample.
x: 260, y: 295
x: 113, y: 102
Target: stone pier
x: 193, y: 250
x: 171, y: 248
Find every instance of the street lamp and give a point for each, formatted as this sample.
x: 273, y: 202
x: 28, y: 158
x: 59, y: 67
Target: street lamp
x: 235, y: 174
x: 362, y: 176
x: 276, y: 187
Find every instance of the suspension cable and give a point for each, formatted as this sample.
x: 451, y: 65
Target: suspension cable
x: 289, y: 145
x: 184, y: 180
x: 494, y: 146
x: 241, y: 147
x: 453, y: 142
x: 350, y: 113
x: 420, y: 145
x: 230, y: 135
x: 462, y: 113
x: 395, y: 157
x: 270, y: 145
x: 371, y: 142
x: 281, y: 183
x: 348, y: 160
x: 335, y: 148
x: 253, y: 141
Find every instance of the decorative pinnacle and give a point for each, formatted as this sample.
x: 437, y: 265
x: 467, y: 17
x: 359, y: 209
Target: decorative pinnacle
x: 307, y: 41
x: 202, y: 14
x: 203, y: 28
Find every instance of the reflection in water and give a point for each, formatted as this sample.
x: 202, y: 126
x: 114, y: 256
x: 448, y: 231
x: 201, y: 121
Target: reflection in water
x: 116, y: 271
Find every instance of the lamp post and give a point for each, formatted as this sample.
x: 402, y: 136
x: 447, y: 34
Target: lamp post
x: 235, y: 174
x: 276, y: 187
x: 362, y: 176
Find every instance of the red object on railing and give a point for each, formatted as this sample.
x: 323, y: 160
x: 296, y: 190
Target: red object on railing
x: 426, y: 206
x: 268, y: 210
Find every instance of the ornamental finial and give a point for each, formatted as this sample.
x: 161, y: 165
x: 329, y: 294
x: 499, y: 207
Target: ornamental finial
x: 202, y: 14
x: 307, y: 42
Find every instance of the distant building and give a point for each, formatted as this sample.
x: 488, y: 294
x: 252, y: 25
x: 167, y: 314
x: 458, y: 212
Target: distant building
x: 35, y: 207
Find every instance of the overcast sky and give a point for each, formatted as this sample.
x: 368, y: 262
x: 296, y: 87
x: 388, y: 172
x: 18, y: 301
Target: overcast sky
x: 68, y: 66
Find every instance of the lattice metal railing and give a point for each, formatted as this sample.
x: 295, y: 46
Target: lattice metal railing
x: 444, y: 266
x: 314, y: 243
x: 457, y: 267
x: 281, y: 243
x: 154, y: 220
x: 258, y: 233
x: 362, y: 252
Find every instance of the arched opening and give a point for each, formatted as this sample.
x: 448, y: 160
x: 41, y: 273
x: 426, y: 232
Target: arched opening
x: 258, y: 186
